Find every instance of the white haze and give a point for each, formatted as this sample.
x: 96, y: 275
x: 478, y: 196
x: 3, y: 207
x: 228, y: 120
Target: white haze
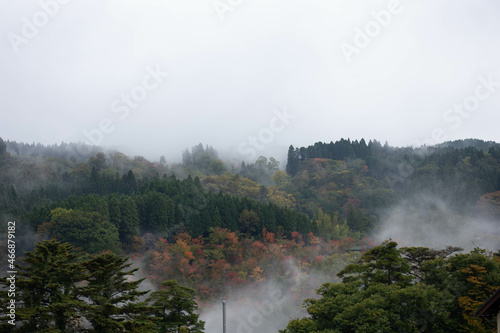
x: 263, y: 307
x: 427, y: 220
x: 226, y: 78
x: 266, y: 307
x: 268, y: 310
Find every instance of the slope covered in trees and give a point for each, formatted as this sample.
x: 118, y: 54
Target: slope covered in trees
x: 163, y: 206
x: 59, y: 290
x: 371, y: 177
x: 216, y: 227
x: 408, y: 289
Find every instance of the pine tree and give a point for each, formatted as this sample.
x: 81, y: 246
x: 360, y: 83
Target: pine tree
x: 175, y: 309
x: 216, y: 220
x: 129, y: 183
x: 159, y: 211
x: 129, y: 223
x: 46, y: 291
x: 3, y: 147
x: 114, y: 210
x: 111, y: 296
x: 352, y: 218
x: 292, y: 166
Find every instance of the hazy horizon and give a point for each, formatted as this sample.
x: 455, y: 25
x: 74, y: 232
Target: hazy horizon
x: 154, y: 77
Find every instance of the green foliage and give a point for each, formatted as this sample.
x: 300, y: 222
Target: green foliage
x: 46, y: 290
x: 248, y: 222
x: 129, y: 221
x: 383, y: 264
x: 175, y: 309
x: 379, y: 308
x: 88, y: 231
x: 216, y: 167
x: 202, y: 158
x: 109, y: 295
x: 58, y: 290
x: 100, y: 200
x: 377, y: 175
x: 292, y: 167
x: 158, y: 213
x: 392, y: 289
x: 261, y: 171
x: 163, y: 207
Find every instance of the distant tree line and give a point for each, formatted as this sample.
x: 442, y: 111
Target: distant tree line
x: 452, y: 170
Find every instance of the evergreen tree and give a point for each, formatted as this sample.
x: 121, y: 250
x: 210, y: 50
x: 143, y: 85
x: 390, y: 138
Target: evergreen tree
x: 129, y: 183
x: 46, y: 291
x: 159, y: 213
x: 216, y: 220
x: 187, y: 159
x: 3, y: 147
x: 175, y: 309
x: 353, y: 220
x: 114, y: 210
x: 129, y: 223
x: 111, y: 296
x: 382, y: 264
x: 292, y: 166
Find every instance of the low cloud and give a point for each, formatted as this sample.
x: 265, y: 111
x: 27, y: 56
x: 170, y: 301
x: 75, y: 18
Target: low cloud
x: 428, y: 220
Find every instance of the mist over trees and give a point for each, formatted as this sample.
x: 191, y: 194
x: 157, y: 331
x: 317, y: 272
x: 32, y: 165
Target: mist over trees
x: 216, y: 227
x: 407, y: 289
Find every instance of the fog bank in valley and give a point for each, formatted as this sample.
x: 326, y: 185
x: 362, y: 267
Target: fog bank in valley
x: 428, y: 220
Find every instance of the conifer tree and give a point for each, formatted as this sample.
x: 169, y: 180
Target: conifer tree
x: 111, y: 296
x: 175, y: 309
x: 216, y: 220
x: 129, y: 224
x: 292, y: 166
x: 114, y: 210
x: 46, y: 291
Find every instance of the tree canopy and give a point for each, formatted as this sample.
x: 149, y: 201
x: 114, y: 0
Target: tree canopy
x: 391, y: 289
x: 59, y: 290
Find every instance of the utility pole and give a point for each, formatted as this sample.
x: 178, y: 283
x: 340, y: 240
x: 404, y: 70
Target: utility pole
x: 223, y: 316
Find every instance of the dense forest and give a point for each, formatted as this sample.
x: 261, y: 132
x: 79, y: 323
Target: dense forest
x: 206, y: 228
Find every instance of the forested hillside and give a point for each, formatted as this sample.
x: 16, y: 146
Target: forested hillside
x: 371, y: 177
x: 221, y: 228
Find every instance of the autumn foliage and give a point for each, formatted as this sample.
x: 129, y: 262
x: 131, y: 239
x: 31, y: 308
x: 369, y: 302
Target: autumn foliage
x: 223, y: 261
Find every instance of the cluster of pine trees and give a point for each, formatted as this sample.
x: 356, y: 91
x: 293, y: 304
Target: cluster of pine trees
x: 164, y: 207
x: 60, y: 290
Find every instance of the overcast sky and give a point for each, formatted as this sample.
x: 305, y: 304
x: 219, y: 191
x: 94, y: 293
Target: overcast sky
x: 152, y: 77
